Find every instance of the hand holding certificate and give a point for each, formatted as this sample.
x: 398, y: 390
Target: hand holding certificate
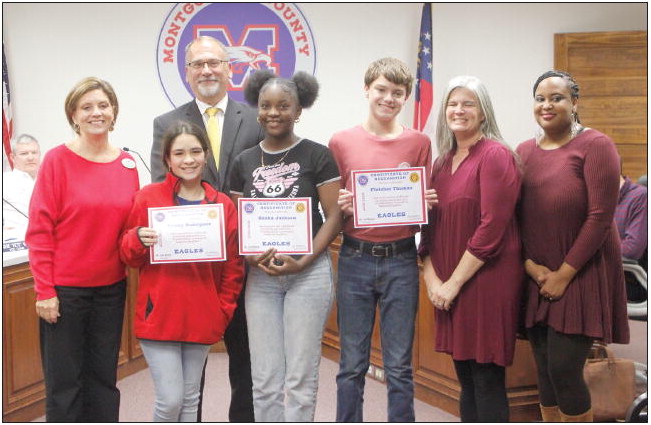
x: 188, y: 233
x: 389, y: 197
x: 284, y: 224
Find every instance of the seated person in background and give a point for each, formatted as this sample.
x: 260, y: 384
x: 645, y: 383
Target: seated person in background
x: 17, y: 185
x: 642, y: 181
x: 631, y: 218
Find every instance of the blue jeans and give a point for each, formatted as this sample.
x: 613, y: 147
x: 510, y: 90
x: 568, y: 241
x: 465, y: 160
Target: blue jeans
x: 176, y: 369
x: 286, y: 316
x: 365, y: 281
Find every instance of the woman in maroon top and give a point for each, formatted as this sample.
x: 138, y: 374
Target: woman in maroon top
x: 575, y: 291
x: 472, y: 263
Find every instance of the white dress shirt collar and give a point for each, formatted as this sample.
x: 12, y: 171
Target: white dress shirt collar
x: 221, y: 105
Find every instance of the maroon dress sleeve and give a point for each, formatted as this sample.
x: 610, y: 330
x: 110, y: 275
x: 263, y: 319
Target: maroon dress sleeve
x: 499, y: 181
x: 601, y: 174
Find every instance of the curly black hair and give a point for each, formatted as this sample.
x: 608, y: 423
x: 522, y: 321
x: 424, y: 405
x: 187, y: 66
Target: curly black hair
x: 303, y: 86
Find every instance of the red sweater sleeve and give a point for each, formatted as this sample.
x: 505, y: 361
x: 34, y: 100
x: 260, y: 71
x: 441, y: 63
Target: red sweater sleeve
x: 132, y: 252
x: 601, y: 174
x: 499, y: 181
x: 231, y: 279
x: 43, y: 216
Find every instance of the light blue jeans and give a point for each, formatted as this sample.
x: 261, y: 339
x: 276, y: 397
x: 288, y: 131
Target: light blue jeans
x: 176, y: 369
x: 286, y: 316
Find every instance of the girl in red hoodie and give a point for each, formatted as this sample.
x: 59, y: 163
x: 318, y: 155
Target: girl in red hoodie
x: 181, y: 308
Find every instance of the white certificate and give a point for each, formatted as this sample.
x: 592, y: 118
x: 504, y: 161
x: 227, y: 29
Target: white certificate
x: 281, y: 223
x: 188, y: 233
x: 389, y: 197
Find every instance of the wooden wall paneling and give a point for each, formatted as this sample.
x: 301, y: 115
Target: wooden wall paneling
x: 564, y: 41
x: 23, y: 383
x: 611, y: 69
x: 623, y: 119
x: 123, y: 356
x: 433, y: 370
x: 331, y: 332
x: 376, y: 343
x: 134, y: 346
x: 630, y: 154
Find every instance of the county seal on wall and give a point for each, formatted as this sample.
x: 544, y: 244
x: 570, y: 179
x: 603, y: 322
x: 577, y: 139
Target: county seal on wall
x: 272, y: 36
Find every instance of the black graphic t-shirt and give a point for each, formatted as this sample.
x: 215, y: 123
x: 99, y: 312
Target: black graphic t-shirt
x: 295, y: 172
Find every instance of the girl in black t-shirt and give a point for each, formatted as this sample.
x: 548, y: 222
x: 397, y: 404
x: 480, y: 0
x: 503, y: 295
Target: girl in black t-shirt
x: 288, y: 298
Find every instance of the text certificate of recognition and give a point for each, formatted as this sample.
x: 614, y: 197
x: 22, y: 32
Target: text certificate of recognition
x: 281, y: 223
x: 389, y: 197
x: 188, y: 233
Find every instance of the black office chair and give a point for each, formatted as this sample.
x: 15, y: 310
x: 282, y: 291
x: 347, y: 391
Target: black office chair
x: 636, y: 289
x: 638, y: 412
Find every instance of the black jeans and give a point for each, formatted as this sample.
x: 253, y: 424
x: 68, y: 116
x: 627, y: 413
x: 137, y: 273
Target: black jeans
x: 236, y: 340
x: 80, y: 354
x: 560, y: 359
x: 483, y: 391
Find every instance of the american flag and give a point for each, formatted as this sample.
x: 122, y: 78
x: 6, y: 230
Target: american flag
x: 7, y: 122
x: 424, y: 89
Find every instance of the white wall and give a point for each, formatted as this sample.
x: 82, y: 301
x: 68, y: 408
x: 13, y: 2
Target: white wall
x: 509, y: 45
x: 50, y: 47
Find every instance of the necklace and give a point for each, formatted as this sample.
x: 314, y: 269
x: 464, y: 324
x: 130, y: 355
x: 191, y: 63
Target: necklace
x: 262, y: 158
x: 270, y: 165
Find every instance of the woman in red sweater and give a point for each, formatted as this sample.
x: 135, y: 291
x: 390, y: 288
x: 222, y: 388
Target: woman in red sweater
x: 181, y: 308
x: 571, y: 248
x: 79, y: 206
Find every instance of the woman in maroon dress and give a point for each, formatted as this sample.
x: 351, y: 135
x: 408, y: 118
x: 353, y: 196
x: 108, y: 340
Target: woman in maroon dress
x: 575, y: 290
x: 471, y: 248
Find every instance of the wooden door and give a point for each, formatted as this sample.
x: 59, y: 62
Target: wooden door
x: 611, y: 70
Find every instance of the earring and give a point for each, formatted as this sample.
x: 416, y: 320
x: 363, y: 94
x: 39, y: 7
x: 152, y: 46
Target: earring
x: 539, y: 134
x: 576, y: 126
x: 297, y: 120
x: 112, y: 126
x: 75, y: 127
x: 258, y: 120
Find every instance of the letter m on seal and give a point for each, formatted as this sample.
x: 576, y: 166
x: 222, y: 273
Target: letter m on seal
x: 255, y: 49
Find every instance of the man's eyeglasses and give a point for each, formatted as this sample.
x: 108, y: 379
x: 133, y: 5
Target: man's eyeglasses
x: 212, y: 64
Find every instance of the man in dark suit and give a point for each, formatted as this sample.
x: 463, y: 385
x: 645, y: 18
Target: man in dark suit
x: 208, y: 71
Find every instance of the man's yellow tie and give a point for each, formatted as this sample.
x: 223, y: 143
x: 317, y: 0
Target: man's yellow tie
x: 214, y: 135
